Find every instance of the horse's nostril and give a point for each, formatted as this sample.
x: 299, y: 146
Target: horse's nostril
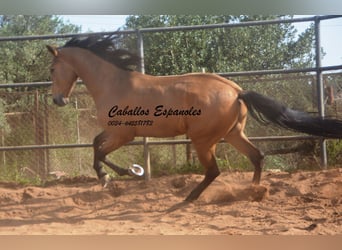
x: 60, y: 100
x: 55, y: 101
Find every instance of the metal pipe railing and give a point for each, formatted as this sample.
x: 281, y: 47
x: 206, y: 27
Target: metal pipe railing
x: 170, y: 29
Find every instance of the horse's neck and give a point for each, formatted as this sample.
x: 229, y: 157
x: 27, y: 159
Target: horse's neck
x: 91, y: 69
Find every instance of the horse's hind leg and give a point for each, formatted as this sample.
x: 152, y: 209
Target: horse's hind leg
x: 240, y: 141
x: 207, y: 159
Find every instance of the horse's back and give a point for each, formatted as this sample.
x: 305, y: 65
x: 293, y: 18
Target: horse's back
x: 199, y: 79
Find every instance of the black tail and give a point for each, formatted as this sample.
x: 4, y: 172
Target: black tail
x: 265, y: 109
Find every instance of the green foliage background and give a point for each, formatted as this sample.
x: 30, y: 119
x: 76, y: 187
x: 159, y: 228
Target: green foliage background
x: 224, y: 49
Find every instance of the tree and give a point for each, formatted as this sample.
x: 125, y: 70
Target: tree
x: 224, y: 49
x: 30, y: 54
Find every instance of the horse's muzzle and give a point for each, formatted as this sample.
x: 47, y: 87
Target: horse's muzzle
x: 60, y: 100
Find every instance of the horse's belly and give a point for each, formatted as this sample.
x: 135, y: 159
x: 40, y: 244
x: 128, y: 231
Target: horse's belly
x: 161, y: 127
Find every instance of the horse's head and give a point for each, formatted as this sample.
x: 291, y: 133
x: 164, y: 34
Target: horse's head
x: 63, y: 78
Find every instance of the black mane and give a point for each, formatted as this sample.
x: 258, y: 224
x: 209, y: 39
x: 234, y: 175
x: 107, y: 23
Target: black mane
x: 105, y: 47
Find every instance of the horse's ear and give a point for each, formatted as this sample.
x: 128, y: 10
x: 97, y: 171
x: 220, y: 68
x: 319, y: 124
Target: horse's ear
x: 52, y: 50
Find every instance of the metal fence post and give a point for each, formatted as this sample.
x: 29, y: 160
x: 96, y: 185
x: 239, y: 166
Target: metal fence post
x: 320, y: 89
x: 147, y: 163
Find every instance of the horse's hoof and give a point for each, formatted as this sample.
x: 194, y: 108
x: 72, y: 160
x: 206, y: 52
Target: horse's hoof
x: 105, y: 180
x: 136, y: 170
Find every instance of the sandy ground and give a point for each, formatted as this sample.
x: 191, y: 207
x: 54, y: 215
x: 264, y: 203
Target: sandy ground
x: 302, y: 203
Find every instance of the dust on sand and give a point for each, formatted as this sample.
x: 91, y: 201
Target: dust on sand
x: 302, y: 203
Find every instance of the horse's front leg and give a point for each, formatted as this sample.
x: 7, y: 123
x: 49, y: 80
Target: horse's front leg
x: 103, y: 145
x: 119, y: 170
x: 98, y: 155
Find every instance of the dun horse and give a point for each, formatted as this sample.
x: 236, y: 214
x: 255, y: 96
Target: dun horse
x: 205, y: 107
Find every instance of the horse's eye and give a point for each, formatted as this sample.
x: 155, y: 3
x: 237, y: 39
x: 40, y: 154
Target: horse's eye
x: 52, y: 70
